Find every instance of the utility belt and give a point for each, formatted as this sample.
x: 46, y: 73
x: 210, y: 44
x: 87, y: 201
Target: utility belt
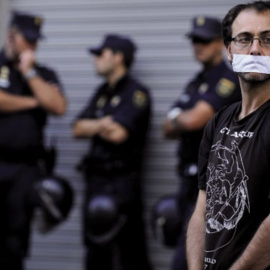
x: 29, y: 156
x: 95, y: 165
x: 188, y: 169
x: 33, y: 156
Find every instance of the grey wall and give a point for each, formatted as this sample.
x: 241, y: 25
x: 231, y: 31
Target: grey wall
x: 164, y: 63
x: 4, y: 6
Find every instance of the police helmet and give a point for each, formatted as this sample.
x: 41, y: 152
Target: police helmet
x: 55, y: 201
x: 103, y: 220
x: 166, y: 220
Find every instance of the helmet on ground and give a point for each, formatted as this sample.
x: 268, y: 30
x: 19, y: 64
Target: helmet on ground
x: 103, y: 220
x: 55, y: 201
x: 166, y: 220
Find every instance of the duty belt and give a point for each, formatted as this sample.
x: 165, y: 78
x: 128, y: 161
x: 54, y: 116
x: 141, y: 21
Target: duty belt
x: 107, y: 166
x: 30, y: 156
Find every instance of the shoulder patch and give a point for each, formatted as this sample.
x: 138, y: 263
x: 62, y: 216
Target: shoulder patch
x: 4, y: 77
x: 139, y: 98
x: 225, y: 87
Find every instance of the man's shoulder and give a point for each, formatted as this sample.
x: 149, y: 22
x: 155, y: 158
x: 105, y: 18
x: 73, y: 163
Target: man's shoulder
x: 228, y: 108
x: 228, y: 73
x: 3, y: 59
x: 135, y: 84
x: 137, y: 92
x: 224, y: 113
x: 44, y: 68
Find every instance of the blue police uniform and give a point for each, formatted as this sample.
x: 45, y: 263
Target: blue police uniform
x: 217, y: 86
x: 21, y: 148
x: 115, y: 169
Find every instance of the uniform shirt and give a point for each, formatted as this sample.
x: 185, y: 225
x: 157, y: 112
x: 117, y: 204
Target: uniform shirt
x: 217, y: 86
x: 129, y: 104
x: 234, y: 168
x: 22, y: 130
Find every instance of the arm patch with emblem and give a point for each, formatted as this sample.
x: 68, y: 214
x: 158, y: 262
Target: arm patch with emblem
x: 140, y: 99
x: 225, y: 87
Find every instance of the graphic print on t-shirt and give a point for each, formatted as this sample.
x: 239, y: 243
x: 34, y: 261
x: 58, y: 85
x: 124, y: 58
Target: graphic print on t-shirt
x: 227, y: 194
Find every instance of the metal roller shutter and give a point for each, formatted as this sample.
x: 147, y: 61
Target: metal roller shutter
x: 164, y: 63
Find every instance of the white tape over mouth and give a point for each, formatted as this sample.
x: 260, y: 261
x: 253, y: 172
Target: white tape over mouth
x: 251, y: 63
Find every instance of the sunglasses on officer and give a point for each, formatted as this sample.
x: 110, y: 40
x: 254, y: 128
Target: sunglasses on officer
x: 198, y: 40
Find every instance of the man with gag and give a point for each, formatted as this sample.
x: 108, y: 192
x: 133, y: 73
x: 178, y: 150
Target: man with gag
x: 229, y: 228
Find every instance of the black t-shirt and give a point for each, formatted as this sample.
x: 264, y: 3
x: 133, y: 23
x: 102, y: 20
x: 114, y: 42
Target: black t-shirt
x: 218, y: 87
x: 234, y: 169
x: 22, y: 130
x: 129, y: 104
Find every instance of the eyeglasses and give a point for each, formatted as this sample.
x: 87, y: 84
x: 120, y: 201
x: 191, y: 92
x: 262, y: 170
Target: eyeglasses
x: 245, y: 41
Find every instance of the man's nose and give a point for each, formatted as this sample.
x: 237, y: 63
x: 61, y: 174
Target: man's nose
x: 256, y: 48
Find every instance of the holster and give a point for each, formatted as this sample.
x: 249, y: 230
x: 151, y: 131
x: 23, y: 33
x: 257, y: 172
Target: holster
x: 28, y: 156
x: 49, y: 158
x: 94, y: 165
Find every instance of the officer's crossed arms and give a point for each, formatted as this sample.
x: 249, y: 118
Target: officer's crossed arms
x: 105, y: 127
x: 179, y: 121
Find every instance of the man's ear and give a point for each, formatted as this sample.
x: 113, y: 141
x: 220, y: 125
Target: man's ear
x: 229, y: 52
x: 120, y: 57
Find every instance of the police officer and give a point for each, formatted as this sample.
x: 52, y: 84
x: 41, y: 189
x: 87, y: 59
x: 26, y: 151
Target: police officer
x: 28, y: 92
x: 215, y: 86
x: 116, y: 119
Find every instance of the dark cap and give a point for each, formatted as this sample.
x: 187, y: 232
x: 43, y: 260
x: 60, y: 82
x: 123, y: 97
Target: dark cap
x: 116, y: 43
x: 29, y: 25
x: 206, y: 28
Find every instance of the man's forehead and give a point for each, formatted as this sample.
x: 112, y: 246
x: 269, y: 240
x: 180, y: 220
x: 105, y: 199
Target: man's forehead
x: 251, y: 21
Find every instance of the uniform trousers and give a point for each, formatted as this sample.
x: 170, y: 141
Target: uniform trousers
x: 187, y: 196
x: 16, y: 210
x: 128, y: 250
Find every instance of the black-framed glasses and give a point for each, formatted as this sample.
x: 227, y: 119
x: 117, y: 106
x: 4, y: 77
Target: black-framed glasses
x: 245, y: 41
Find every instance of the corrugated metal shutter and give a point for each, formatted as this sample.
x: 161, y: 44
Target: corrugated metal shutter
x: 4, y: 6
x: 164, y: 63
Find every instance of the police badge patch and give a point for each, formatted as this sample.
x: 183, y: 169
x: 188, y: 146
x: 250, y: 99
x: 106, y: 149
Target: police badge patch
x: 4, y: 77
x: 203, y: 88
x: 101, y: 101
x: 37, y: 21
x: 139, y: 98
x: 225, y: 87
x: 115, y: 101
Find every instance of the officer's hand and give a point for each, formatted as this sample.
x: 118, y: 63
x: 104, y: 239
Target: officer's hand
x: 34, y: 102
x: 111, y: 130
x: 169, y: 130
x: 105, y: 123
x: 27, y: 59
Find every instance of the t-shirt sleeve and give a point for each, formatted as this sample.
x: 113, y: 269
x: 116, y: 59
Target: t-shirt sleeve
x: 50, y: 76
x: 265, y: 134
x: 135, y: 105
x: 225, y: 91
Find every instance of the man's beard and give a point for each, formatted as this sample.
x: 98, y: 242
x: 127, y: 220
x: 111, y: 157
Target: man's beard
x: 253, y: 77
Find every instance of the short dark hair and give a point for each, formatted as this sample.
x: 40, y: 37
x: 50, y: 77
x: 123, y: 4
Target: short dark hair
x: 259, y: 6
x: 127, y: 58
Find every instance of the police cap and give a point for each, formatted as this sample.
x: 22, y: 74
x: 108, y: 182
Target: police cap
x: 116, y: 43
x: 206, y: 28
x: 29, y: 25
